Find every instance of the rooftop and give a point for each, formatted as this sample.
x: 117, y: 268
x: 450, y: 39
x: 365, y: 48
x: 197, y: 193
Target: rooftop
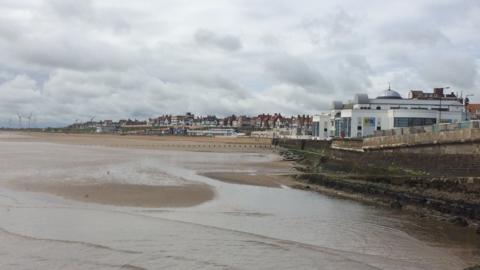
x: 389, y: 94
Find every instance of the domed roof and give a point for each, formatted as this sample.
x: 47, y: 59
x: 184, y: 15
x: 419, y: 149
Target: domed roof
x: 390, y: 94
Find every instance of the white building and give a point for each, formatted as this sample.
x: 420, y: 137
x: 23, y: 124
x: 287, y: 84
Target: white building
x: 212, y: 132
x: 321, y: 126
x: 365, y: 115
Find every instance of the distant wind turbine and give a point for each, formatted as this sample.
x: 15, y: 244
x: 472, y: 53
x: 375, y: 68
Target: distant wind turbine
x: 29, y: 119
x: 19, y: 120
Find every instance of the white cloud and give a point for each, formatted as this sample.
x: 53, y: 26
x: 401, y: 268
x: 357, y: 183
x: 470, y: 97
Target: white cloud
x: 226, y: 42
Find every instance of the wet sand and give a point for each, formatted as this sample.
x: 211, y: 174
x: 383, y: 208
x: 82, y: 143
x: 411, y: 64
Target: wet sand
x: 124, y: 194
x: 290, y: 228
x: 145, y: 195
x: 177, y: 143
x: 148, y: 195
x: 245, y: 178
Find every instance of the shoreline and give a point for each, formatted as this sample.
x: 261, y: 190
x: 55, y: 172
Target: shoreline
x: 252, y: 179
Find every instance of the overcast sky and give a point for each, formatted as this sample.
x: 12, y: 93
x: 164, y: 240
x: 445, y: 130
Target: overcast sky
x: 63, y: 60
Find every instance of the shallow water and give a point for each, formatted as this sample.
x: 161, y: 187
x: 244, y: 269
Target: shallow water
x: 244, y: 227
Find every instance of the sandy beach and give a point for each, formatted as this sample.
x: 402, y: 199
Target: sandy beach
x: 118, y: 202
x: 124, y: 194
x: 135, y: 195
x: 180, y: 143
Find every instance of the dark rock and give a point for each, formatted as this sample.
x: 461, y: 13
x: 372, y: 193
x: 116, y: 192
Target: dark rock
x: 478, y: 230
x: 307, y: 187
x: 477, y: 267
x: 422, y: 215
x: 459, y: 221
x: 396, y: 205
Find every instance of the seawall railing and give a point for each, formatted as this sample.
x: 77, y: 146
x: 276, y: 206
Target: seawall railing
x: 474, y: 124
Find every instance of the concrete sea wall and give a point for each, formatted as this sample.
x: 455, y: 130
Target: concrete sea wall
x: 470, y: 137
x: 442, y: 176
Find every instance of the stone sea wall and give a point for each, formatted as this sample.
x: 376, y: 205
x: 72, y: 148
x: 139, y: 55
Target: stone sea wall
x: 439, y: 178
x: 451, y: 140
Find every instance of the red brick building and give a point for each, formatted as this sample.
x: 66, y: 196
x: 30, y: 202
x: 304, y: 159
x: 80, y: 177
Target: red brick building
x: 474, y: 110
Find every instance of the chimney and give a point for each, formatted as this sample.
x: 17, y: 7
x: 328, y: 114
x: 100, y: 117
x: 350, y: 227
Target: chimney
x: 438, y: 92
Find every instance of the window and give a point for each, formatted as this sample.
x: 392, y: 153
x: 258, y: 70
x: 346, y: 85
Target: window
x: 316, y: 129
x: 440, y: 109
x: 379, y: 108
x: 413, y: 121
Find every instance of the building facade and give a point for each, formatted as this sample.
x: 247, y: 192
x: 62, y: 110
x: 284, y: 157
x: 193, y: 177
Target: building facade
x: 364, y: 115
x: 474, y: 111
x: 321, y: 126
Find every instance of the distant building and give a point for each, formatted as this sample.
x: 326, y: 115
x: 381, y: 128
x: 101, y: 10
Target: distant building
x: 321, y: 126
x: 262, y: 121
x: 161, y: 121
x: 106, y: 129
x: 365, y: 115
x: 302, y: 125
x: 267, y: 121
x: 209, y: 121
x: 243, y: 122
x: 188, y: 120
x: 474, y: 111
x: 228, y: 121
x: 133, y: 124
x: 212, y: 132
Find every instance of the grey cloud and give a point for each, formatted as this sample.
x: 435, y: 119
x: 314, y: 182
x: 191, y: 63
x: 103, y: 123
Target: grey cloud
x: 297, y: 72
x: 19, y: 96
x: 72, y: 9
x: 351, y: 74
x: 415, y: 33
x: 19, y: 90
x: 87, y: 13
x: 447, y: 68
x: 330, y: 29
x: 7, y: 32
x: 70, y: 53
x: 226, y: 42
